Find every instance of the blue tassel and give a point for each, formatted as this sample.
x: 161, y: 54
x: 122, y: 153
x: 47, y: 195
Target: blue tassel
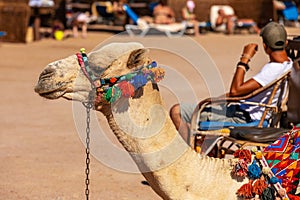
x: 274, y: 180
x: 254, y: 171
x: 138, y: 81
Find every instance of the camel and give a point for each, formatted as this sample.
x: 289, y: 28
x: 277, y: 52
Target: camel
x: 142, y: 125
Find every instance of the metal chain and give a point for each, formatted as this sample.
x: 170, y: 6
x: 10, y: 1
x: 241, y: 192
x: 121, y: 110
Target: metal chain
x: 88, y: 107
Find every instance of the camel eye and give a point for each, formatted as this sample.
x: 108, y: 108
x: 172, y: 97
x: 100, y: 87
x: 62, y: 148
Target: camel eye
x: 136, y: 58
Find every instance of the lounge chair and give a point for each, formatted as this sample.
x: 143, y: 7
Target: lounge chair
x: 293, y: 47
x: 141, y: 28
x: 2, y: 33
x: 103, y: 12
x: 290, y: 13
x: 228, y: 11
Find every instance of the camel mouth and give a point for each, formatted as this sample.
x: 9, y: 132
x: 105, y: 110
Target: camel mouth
x: 50, y: 94
x: 61, y: 91
x: 44, y: 89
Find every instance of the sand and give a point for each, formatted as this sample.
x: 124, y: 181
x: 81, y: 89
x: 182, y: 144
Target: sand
x: 41, y: 151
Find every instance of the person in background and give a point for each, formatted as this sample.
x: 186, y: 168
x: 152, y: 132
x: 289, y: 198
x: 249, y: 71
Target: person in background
x: 189, y: 16
x: 231, y: 20
x: 80, y: 20
x: 274, y: 38
x: 119, y: 12
x: 163, y: 14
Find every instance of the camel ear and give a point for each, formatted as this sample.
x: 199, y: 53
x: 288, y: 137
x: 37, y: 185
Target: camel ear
x: 137, y: 58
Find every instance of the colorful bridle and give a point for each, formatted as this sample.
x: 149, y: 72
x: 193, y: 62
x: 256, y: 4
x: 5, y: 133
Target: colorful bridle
x: 113, y: 88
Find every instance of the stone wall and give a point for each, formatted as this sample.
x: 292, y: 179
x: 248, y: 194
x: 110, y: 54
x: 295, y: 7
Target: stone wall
x: 14, y: 17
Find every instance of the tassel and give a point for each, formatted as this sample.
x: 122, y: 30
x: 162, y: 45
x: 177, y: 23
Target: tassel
x: 274, y: 180
x: 254, y: 149
x: 259, y: 186
x: 293, y: 197
x: 159, y: 74
x: 244, y: 154
x: 282, y: 192
x: 258, y: 155
x: 112, y: 94
x: 268, y: 194
x: 240, y: 169
x: 138, y: 81
x: 266, y: 170
x: 126, y: 88
x: 254, y: 171
x: 246, y: 190
x: 108, y: 94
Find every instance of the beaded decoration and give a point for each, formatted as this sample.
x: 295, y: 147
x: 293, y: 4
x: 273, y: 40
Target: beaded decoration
x: 113, y: 88
x: 124, y: 86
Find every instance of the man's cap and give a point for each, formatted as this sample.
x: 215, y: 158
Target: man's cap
x: 274, y: 35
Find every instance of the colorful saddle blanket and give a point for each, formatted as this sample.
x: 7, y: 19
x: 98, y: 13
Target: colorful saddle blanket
x: 274, y: 172
x: 284, y: 160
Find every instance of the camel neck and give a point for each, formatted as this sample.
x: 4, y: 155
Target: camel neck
x: 143, y: 126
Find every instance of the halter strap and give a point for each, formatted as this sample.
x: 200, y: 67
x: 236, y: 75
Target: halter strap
x: 113, y: 88
x: 84, y: 65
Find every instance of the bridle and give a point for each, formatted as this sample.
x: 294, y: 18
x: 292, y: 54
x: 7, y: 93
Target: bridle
x: 84, y: 65
x: 113, y: 88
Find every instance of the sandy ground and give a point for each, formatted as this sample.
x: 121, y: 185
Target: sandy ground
x: 41, y: 152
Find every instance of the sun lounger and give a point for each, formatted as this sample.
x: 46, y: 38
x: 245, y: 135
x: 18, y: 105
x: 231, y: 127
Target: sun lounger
x: 141, y: 28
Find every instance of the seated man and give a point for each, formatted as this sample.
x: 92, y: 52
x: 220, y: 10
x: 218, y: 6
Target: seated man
x: 119, y: 13
x: 230, y: 21
x: 274, y: 38
x: 163, y: 14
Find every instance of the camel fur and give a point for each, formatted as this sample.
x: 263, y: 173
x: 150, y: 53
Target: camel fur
x: 143, y: 127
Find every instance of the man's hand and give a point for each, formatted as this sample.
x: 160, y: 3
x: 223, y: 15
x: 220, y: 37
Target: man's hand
x: 248, y: 52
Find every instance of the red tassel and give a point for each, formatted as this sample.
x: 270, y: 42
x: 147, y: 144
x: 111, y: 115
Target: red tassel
x: 244, y: 154
x: 126, y: 88
x: 292, y: 197
x: 259, y: 186
x: 240, y: 169
x: 246, y: 190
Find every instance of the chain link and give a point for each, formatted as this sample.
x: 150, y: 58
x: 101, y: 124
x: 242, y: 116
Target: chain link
x: 88, y: 107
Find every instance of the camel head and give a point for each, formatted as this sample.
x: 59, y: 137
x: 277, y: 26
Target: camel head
x: 64, y: 78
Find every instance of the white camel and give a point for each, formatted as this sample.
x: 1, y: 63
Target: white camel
x: 143, y: 127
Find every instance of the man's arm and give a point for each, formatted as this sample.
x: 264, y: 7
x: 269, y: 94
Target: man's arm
x: 238, y: 86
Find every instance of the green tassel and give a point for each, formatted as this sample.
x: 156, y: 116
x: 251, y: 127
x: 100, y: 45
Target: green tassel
x: 112, y: 94
x: 268, y: 194
x: 107, y: 95
x: 117, y: 93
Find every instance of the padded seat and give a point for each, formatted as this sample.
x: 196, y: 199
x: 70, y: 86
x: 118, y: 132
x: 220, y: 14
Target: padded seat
x: 255, y: 134
x: 214, y: 125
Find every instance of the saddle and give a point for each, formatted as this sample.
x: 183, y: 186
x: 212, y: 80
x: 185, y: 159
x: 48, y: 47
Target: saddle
x: 255, y: 134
